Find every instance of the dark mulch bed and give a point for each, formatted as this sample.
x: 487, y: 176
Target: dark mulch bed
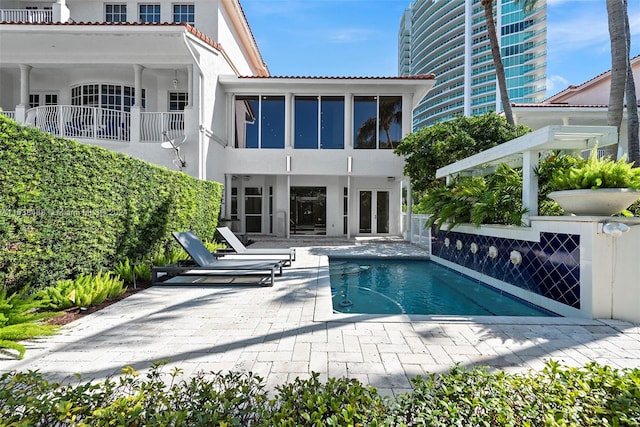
x: 74, y: 313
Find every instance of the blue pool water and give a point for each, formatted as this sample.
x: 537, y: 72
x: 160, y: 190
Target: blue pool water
x: 393, y: 286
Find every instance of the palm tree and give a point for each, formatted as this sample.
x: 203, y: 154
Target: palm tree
x: 619, y: 60
x: 527, y: 6
x: 632, y: 102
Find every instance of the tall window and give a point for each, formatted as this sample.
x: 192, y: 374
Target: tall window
x: 259, y: 121
x: 149, y: 13
x: 178, y: 101
x: 115, y: 13
x: 326, y: 110
x: 377, y: 121
x: 184, y: 13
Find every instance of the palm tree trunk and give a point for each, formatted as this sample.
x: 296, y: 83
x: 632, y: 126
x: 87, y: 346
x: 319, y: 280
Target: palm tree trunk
x: 619, y: 61
x: 632, y: 102
x: 497, y: 60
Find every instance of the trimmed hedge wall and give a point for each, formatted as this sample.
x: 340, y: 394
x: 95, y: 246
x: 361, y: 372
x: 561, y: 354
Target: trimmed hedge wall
x: 68, y: 208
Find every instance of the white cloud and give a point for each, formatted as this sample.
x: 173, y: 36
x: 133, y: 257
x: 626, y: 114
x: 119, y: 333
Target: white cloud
x: 555, y: 84
x: 349, y: 35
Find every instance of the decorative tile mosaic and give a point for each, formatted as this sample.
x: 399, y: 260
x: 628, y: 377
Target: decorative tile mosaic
x: 550, y: 268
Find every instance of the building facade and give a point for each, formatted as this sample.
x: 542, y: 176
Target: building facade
x: 449, y: 38
x: 183, y: 85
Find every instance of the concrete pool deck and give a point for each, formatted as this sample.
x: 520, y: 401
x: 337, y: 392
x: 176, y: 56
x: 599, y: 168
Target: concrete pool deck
x: 288, y: 330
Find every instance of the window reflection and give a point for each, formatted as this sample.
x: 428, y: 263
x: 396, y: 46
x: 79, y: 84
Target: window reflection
x: 332, y: 122
x: 390, y: 121
x: 364, y: 121
x: 272, y: 122
x: 306, y: 122
x: 259, y: 122
x: 377, y: 121
x: 247, y: 108
x: 331, y: 133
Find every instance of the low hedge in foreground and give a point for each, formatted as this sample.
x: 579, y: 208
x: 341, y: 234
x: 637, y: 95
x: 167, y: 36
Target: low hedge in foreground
x: 593, y: 395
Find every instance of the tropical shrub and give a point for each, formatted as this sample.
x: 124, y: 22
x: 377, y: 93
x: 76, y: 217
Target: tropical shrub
x: 84, y: 291
x: 19, y: 319
x: 68, y: 208
x: 593, y: 395
x: 492, y: 199
x: 433, y: 147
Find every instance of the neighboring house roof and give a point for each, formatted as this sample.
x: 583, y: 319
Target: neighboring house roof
x: 574, y: 90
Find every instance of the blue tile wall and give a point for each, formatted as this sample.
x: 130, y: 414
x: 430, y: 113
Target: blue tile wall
x: 550, y: 268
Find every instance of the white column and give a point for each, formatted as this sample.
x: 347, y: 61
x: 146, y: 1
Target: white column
x: 21, y: 109
x: 61, y: 12
x: 25, y: 71
x: 348, y: 120
x: 138, y: 84
x: 348, y: 206
x: 408, y: 226
x: 228, y: 178
x: 135, y: 134
x: 529, y: 184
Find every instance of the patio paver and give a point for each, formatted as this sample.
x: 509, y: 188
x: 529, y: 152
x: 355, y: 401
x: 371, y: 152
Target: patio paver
x: 289, y: 330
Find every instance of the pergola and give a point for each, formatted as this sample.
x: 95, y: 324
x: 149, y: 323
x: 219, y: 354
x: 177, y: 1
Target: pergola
x: 525, y: 152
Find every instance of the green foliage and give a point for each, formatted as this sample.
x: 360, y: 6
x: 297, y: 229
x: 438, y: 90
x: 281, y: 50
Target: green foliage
x: 68, y: 208
x: 593, y: 395
x: 493, y: 199
x: 443, y: 143
x: 338, y: 402
x: 84, y: 291
x: 19, y: 314
x: 127, y: 269
x: 595, y: 173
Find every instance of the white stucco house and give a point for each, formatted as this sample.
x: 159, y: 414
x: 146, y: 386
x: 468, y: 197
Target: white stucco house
x: 297, y: 155
x: 583, y: 105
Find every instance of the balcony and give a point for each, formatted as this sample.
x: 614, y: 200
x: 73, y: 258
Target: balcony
x: 103, y: 124
x: 26, y: 15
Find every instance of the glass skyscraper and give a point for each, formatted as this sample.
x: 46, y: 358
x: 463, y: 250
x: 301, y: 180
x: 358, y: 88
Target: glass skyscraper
x: 449, y: 38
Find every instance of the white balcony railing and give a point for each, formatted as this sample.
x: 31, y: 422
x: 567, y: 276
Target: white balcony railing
x: 10, y: 114
x: 71, y: 121
x: 153, y: 125
x: 26, y: 15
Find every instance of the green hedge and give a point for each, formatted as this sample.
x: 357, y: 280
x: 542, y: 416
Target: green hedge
x: 593, y: 395
x: 68, y: 208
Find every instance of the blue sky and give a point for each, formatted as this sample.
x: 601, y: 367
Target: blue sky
x: 359, y: 37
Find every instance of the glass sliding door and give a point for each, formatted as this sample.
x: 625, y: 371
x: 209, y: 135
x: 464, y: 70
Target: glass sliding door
x: 308, y: 210
x: 374, y: 212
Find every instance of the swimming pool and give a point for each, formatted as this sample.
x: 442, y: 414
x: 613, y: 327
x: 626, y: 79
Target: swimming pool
x: 398, y: 286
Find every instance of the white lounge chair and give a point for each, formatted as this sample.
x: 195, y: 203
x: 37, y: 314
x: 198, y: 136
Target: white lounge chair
x: 206, y: 264
x: 240, y: 249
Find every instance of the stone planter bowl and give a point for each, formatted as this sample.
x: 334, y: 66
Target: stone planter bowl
x: 600, y: 202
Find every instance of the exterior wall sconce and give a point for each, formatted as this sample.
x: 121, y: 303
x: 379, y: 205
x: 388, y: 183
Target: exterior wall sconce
x: 288, y: 163
x: 349, y: 164
x: 175, y: 80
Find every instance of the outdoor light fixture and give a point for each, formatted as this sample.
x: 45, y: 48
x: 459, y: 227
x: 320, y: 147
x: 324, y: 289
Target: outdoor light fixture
x: 175, y: 80
x: 171, y: 144
x: 615, y: 229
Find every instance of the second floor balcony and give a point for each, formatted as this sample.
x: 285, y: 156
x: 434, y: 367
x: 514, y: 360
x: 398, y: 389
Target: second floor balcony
x: 94, y: 123
x: 32, y: 16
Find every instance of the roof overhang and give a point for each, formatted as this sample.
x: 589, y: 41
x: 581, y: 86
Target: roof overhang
x: 35, y: 44
x: 418, y: 86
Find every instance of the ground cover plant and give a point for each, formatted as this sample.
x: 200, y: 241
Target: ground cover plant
x: 592, y: 395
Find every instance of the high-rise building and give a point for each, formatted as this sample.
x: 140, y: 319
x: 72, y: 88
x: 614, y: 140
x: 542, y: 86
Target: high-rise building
x: 449, y: 38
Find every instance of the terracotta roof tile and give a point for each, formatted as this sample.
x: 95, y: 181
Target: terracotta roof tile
x: 415, y: 77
